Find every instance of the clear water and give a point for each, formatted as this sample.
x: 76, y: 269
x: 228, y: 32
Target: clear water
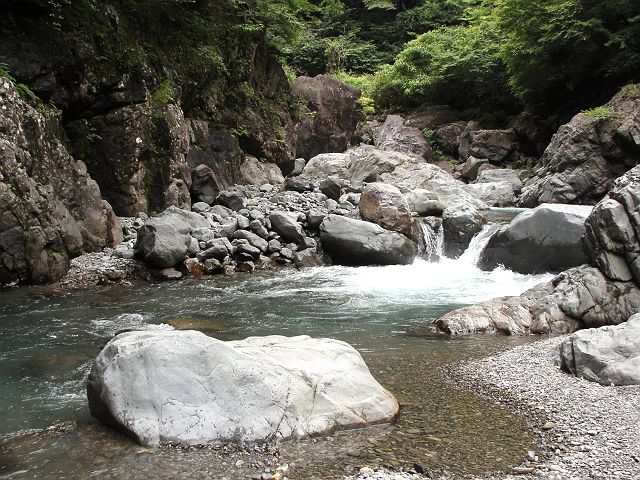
x: 48, y: 339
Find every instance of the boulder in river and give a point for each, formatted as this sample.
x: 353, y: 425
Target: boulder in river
x: 608, y: 355
x: 545, y: 239
x: 354, y: 242
x: 383, y: 204
x: 164, y: 386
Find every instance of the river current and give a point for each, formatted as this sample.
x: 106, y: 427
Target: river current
x: 48, y: 340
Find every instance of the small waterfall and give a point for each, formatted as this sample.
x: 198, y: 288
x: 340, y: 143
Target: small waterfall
x: 432, y: 240
x: 472, y: 254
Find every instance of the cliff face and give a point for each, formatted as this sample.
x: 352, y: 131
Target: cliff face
x: 130, y: 76
x: 50, y: 208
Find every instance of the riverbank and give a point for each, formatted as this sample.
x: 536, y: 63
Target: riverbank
x: 582, y: 429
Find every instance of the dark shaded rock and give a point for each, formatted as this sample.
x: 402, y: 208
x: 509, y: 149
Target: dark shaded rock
x: 286, y: 226
x: 545, y: 239
x: 298, y: 184
x: 607, y: 355
x: 447, y: 137
x: 232, y: 199
x: 469, y: 169
x: 431, y: 117
x: 494, y: 145
x: 331, y: 118
x: 460, y: 225
x: 307, y: 258
x: 167, y: 274
x: 137, y: 154
x: 613, y: 230
x: 332, y: 187
x: 383, y: 204
x: 354, y: 242
x: 396, y: 136
x: 50, y: 208
x: 587, y: 154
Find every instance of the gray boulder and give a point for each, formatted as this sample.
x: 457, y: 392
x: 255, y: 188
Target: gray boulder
x: 545, y: 239
x: 286, y: 226
x: 494, y: 194
x: 424, y: 203
x: 186, y: 387
x: 587, y: 154
x: 396, y: 136
x: 613, y: 230
x: 460, y: 225
x: 163, y: 241
x: 607, y: 355
x: 383, y: 204
x: 501, y: 175
x: 354, y: 242
x: 470, y: 167
x: 494, y: 145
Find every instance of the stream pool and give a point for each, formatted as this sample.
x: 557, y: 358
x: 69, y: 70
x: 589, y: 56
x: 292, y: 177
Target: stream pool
x: 48, y: 340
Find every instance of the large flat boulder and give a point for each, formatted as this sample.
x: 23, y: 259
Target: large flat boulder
x: 547, y: 238
x: 608, y: 355
x: 354, y: 242
x: 183, y: 386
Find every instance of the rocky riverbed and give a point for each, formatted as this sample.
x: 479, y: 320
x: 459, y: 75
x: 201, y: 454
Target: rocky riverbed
x: 582, y: 429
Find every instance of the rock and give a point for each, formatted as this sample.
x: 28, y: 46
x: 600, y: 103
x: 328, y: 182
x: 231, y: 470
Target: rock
x: 163, y: 241
x: 494, y: 194
x: 287, y: 253
x: 354, y: 242
x: 167, y: 274
x: 123, y: 156
x: 218, y: 248
x: 545, y: 239
x: 332, y: 187
x: 194, y: 267
x: 383, y: 204
x: 586, y: 155
x: 469, y: 169
x: 431, y: 117
x: 307, y: 258
x: 255, y: 240
x: 287, y: 227
x: 460, y: 225
x: 255, y: 172
x: 613, y: 230
x: 577, y: 298
x: 424, y: 203
x: 447, y: 137
x: 501, y: 175
x: 494, y: 145
x: 607, y: 355
x: 244, y: 250
x: 297, y: 184
x: 331, y: 116
x: 315, y: 218
x: 186, y: 387
x: 274, y: 246
x: 298, y: 166
x: 232, y: 199
x: 200, y: 207
x: 50, y: 208
x: 259, y: 229
x: 396, y: 136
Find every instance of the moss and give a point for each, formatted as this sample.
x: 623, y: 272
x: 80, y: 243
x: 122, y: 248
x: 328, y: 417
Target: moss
x: 164, y: 94
x: 599, y: 113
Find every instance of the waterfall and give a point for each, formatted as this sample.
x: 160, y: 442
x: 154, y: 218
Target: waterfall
x: 472, y: 254
x: 432, y: 241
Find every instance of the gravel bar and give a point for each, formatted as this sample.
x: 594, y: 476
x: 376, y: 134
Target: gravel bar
x: 583, y: 430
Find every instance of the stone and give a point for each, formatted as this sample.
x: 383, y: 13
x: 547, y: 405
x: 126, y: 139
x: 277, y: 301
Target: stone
x: 242, y: 246
x: 424, y: 203
x: 332, y: 187
x: 307, y: 258
x: 232, y: 199
x: 296, y: 184
x: 383, y: 204
x: 51, y: 210
x: 469, y: 169
x: 186, y: 387
x: 328, y: 123
x: 194, y: 267
x: 613, y: 230
x: 252, y: 238
x: 396, y: 136
x: 459, y: 226
x: 274, y: 246
x: 447, y: 137
x: 167, y: 274
x: 545, y: 239
x: 200, y: 207
x: 494, y: 194
x: 586, y: 155
x: 501, y: 175
x: 218, y: 248
x: 163, y: 241
x: 431, y: 117
x: 315, y: 218
x: 286, y: 226
x: 298, y: 166
x: 255, y: 172
x: 204, y: 185
x: 607, y: 355
x: 259, y: 229
x: 354, y: 242
x: 494, y: 145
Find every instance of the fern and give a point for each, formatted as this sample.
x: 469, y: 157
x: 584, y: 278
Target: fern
x: 379, y: 4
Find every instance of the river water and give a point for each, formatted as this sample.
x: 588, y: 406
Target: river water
x: 48, y: 340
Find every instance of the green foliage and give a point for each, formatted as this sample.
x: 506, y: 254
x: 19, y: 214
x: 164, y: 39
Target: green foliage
x: 22, y: 89
x: 560, y: 52
x: 459, y: 66
x: 600, y: 113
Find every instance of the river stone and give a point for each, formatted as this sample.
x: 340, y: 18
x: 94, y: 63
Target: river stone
x: 494, y: 194
x: 186, y: 387
x: 607, y: 355
x: 286, y: 226
x: 383, y: 204
x: 354, y: 242
x: 547, y: 238
x: 163, y: 241
x: 459, y: 226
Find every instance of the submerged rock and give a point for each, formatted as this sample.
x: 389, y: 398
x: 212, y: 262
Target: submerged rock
x: 545, y: 239
x: 186, y: 387
x: 354, y: 242
x: 607, y: 355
